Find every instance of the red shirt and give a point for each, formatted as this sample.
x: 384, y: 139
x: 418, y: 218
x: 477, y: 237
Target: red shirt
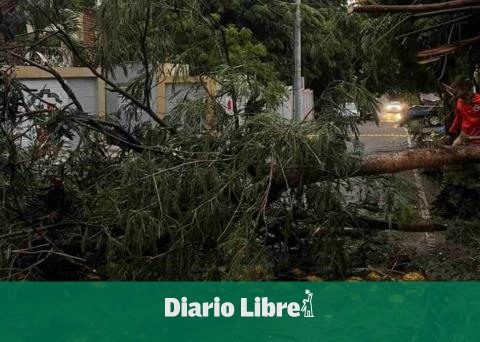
x: 467, y: 118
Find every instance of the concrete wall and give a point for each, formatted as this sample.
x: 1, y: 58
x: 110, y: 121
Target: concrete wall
x: 95, y: 98
x: 172, y: 87
x: 181, y: 92
x: 84, y: 88
x: 88, y: 89
x: 285, y: 110
x: 115, y: 102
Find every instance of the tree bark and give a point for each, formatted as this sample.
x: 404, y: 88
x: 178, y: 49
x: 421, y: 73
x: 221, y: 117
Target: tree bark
x: 433, y: 158
x: 384, y: 163
x: 449, y: 5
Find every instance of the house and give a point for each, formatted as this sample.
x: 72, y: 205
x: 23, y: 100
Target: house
x: 94, y: 95
x: 171, y: 86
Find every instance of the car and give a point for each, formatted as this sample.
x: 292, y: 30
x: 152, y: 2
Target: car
x: 394, y: 112
x: 430, y: 115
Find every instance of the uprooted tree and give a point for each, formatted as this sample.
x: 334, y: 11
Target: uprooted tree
x: 199, y: 194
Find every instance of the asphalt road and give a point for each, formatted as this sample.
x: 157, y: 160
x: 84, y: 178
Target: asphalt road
x: 386, y: 137
x: 389, y: 137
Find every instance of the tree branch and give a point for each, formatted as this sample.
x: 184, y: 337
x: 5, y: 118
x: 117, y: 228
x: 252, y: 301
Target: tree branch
x: 439, y: 6
x: 448, y: 48
x: 434, y: 27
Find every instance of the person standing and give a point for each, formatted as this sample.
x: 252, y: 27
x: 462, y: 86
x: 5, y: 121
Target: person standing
x: 467, y: 114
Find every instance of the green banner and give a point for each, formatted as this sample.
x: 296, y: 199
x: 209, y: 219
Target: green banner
x: 239, y: 311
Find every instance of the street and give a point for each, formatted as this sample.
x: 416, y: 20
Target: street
x: 385, y: 137
x: 389, y: 137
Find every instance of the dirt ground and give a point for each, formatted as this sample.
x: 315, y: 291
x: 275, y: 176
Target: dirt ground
x: 435, y: 256
x: 453, y: 255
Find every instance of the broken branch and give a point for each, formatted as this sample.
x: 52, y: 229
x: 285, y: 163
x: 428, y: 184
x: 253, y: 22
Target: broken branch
x: 448, y: 48
x: 439, y: 6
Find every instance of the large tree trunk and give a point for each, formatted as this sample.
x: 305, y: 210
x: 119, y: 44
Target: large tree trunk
x: 432, y: 158
x: 384, y: 163
x: 439, y: 6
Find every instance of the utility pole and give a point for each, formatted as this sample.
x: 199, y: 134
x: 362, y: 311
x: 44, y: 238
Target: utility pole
x: 297, y: 83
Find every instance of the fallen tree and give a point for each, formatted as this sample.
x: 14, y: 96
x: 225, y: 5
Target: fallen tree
x: 430, y: 158
x: 381, y: 164
x: 178, y: 206
x: 384, y: 163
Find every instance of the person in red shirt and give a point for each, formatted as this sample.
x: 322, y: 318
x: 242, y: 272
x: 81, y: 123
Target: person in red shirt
x: 466, y: 125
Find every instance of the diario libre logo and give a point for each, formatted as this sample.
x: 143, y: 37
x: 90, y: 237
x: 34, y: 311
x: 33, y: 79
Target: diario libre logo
x: 258, y: 307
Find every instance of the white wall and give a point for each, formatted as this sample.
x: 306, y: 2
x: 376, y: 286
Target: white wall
x: 114, y: 101
x: 181, y: 92
x: 85, y: 89
x: 285, y: 110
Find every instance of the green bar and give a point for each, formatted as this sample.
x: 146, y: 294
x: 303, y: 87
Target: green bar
x: 343, y: 312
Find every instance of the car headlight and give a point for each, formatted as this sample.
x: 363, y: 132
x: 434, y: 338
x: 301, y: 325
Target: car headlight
x: 393, y: 109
